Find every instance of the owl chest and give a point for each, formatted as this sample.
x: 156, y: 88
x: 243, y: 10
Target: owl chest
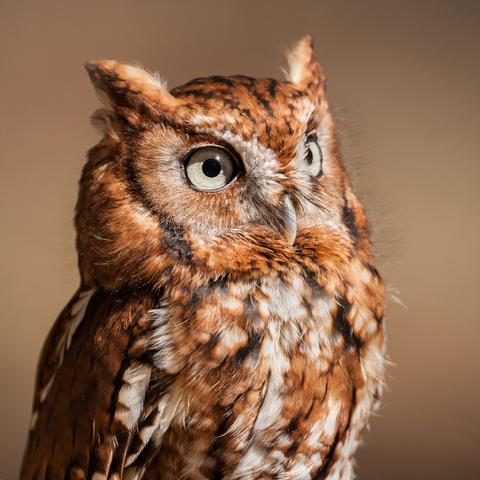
x: 243, y: 331
x: 253, y: 367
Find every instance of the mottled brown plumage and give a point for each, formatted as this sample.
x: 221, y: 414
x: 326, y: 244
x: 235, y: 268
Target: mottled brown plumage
x: 229, y: 322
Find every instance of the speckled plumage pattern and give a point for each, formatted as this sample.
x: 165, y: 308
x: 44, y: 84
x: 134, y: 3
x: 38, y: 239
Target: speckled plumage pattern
x: 201, y: 343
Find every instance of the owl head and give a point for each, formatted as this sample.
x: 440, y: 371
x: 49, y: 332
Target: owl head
x: 221, y: 176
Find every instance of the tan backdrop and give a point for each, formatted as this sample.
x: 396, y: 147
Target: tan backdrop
x: 404, y: 78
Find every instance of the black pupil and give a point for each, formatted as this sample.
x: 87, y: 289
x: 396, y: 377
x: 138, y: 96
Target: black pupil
x: 211, y: 167
x: 309, y: 156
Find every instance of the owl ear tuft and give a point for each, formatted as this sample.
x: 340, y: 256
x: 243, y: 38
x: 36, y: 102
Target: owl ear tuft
x: 303, y: 68
x: 132, y: 91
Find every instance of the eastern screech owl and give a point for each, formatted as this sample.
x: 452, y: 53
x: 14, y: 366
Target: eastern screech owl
x: 229, y: 322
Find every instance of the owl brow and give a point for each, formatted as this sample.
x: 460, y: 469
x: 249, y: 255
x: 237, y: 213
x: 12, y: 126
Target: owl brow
x: 305, y: 115
x: 313, y: 125
x: 198, y: 138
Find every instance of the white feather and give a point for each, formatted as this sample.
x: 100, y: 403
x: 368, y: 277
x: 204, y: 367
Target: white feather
x: 132, y: 395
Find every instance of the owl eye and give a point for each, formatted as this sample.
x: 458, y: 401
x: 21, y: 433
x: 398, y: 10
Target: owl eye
x: 314, y: 157
x: 210, y: 168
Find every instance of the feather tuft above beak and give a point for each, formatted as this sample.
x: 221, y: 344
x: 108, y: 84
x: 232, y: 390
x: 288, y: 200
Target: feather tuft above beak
x: 289, y: 221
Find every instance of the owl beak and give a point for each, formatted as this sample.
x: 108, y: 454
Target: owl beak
x: 289, y: 221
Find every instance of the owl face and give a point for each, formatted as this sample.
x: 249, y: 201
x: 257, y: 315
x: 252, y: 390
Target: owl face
x: 218, y: 160
x: 234, y: 162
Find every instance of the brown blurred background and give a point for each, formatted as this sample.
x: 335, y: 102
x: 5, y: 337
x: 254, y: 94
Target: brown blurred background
x: 404, y: 79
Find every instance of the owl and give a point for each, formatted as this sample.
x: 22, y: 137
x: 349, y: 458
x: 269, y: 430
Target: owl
x: 229, y: 323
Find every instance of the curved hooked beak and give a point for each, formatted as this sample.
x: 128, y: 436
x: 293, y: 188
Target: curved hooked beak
x: 289, y: 221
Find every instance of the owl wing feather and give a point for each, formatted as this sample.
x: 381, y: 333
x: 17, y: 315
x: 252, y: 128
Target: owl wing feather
x: 97, y: 412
